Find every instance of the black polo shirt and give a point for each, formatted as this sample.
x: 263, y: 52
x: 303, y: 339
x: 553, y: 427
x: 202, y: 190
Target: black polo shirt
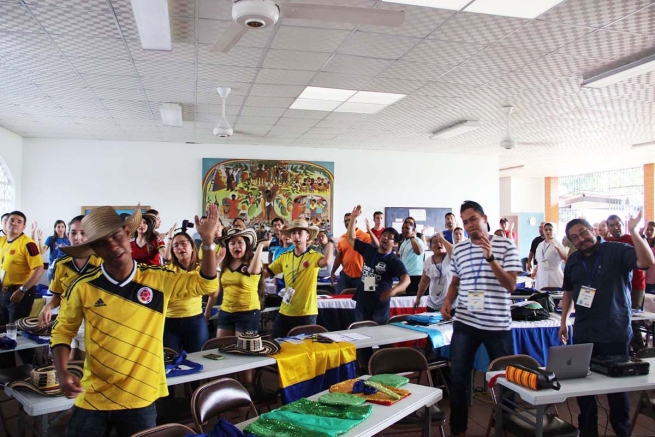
x: 609, y: 271
x: 533, y: 247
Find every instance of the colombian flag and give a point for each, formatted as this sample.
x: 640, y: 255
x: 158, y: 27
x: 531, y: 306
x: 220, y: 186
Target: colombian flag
x: 310, y: 367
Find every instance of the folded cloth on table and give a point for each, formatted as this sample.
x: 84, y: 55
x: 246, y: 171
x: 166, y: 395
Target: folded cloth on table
x: 377, y: 398
x: 41, y: 339
x: 435, y: 336
x: 8, y: 343
x: 390, y: 379
x: 425, y: 320
x: 182, y: 366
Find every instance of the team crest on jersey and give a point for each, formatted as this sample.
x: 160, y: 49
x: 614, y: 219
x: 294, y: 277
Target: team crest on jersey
x: 151, y: 247
x: 305, y: 264
x: 244, y: 269
x: 12, y: 251
x: 144, y: 295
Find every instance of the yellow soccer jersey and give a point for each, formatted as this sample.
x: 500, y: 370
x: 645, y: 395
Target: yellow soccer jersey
x: 301, y: 274
x: 240, y: 290
x: 178, y: 308
x: 65, y: 272
x: 216, y: 251
x: 18, y: 258
x: 124, y: 324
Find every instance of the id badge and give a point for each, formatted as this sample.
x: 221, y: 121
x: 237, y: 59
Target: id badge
x: 437, y: 290
x: 288, y: 295
x: 2, y: 275
x: 545, y: 264
x: 476, y: 301
x: 369, y: 283
x: 586, y: 297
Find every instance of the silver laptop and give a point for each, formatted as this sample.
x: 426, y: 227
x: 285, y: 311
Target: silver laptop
x: 570, y: 362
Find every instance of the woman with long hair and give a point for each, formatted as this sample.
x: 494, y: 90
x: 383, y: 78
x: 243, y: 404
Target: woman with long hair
x: 186, y: 324
x: 549, y: 255
x: 53, y: 243
x: 241, y: 282
x: 147, y: 247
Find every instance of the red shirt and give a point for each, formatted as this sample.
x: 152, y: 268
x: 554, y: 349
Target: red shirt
x: 377, y: 233
x: 148, y: 254
x: 638, y: 275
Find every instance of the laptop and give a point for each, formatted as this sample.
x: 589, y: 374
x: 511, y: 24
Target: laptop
x: 569, y: 362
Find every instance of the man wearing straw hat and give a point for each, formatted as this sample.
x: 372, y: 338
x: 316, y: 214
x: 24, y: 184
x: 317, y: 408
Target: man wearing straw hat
x: 300, y: 268
x: 123, y: 305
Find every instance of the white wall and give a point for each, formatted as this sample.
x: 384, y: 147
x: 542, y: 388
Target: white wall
x: 505, y: 196
x: 167, y: 176
x: 521, y: 194
x: 11, y: 152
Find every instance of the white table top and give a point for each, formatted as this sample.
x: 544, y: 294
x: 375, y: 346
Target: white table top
x: 644, y: 315
x: 35, y: 404
x: 23, y: 343
x: 555, y: 296
x: 594, y: 384
x: 384, y: 416
x: 385, y: 334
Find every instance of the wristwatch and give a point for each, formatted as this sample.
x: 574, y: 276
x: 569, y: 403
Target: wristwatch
x: 22, y: 289
x: 211, y: 247
x: 492, y: 258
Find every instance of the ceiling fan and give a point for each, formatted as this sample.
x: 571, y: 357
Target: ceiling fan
x: 261, y: 14
x: 508, y: 142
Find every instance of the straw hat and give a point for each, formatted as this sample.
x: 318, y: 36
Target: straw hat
x: 301, y: 224
x: 251, y: 343
x: 31, y: 325
x: 101, y: 223
x: 248, y: 234
x: 44, y: 379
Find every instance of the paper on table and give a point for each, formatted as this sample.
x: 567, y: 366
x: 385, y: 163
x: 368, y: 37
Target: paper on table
x: 351, y: 336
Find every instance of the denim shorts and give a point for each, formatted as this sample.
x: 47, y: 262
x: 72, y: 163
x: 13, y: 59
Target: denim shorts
x: 242, y: 321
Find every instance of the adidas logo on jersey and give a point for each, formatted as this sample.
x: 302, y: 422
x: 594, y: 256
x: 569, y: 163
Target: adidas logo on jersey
x: 65, y: 274
x: 99, y: 303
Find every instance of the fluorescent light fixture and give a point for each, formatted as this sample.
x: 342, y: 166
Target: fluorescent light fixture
x: 454, y: 5
x: 375, y: 98
x: 154, y: 26
x: 171, y: 114
x: 458, y: 129
x: 315, y: 105
x: 621, y: 73
x: 512, y: 8
x: 361, y: 108
x: 335, y: 94
x: 647, y: 144
x: 516, y: 167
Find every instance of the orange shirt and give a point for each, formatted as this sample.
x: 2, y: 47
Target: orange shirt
x: 351, y: 261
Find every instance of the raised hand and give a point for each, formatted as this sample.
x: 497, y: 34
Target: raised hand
x: 635, y: 221
x: 485, y: 245
x: 207, y: 229
x: 357, y: 211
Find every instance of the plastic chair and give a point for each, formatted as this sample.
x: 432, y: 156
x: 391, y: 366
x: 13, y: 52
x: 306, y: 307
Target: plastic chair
x: 306, y: 329
x: 398, y: 318
x: 217, y: 343
x: 218, y: 397
x: 348, y: 291
x: 646, y: 404
x: 412, y: 363
x: 167, y: 430
x: 6, y: 376
x: 553, y: 426
x: 363, y: 354
x: 362, y: 324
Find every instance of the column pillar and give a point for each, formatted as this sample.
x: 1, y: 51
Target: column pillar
x: 551, y: 197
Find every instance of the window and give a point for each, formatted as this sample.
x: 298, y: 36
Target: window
x: 7, y: 189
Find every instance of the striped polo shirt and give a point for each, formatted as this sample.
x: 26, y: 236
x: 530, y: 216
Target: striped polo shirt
x: 474, y: 272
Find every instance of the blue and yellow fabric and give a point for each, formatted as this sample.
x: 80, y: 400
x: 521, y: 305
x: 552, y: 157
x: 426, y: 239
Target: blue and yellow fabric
x: 310, y: 367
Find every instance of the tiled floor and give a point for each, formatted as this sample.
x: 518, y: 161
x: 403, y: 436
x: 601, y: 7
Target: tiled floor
x: 478, y: 416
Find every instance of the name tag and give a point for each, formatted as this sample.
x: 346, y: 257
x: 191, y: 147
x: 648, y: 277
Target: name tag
x: 288, y: 294
x: 476, y: 301
x: 586, y: 297
x: 545, y: 264
x: 369, y: 283
x: 437, y: 290
x: 2, y: 274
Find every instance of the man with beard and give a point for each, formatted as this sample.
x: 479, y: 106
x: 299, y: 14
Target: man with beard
x: 597, y: 281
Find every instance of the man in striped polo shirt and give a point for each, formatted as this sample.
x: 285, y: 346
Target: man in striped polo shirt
x: 484, y: 272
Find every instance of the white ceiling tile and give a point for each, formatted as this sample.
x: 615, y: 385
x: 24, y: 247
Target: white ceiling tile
x: 298, y: 113
x: 284, y: 77
x: 182, y: 52
x: 171, y: 96
x: 182, y: 29
x: 272, y: 102
x: 377, y: 45
x: 397, y: 86
x: 295, y: 60
x: 40, y: 64
x: 592, y: 13
x: 343, y: 81
x: 83, y: 22
x: 356, y: 65
x: 414, y: 71
x: 501, y: 58
x: 165, y: 69
x: 419, y: 21
x: 245, y: 120
x: 119, y: 67
x: 262, y: 112
x: 215, y: 9
x: 442, y: 52
x: 100, y: 48
x: 109, y: 81
x: 23, y: 42
x: 165, y: 83
x: 260, y: 90
x: 442, y: 89
x: 605, y: 44
x: 477, y: 28
x: 642, y: 21
x: 308, y: 39
x: 237, y: 56
x: 225, y: 74
x: 17, y: 18
x: 210, y: 30
x: 298, y: 122
x: 543, y: 36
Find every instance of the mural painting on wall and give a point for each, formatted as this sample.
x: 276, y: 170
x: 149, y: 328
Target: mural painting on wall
x: 259, y: 190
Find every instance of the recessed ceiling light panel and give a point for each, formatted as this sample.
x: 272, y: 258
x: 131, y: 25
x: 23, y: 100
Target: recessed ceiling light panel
x: 375, y: 98
x: 361, y: 108
x: 334, y: 94
x: 512, y: 8
x: 454, y: 5
x: 315, y: 105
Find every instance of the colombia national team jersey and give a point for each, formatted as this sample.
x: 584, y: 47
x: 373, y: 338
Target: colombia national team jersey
x: 300, y: 273
x: 65, y: 272
x: 18, y: 258
x: 124, y: 325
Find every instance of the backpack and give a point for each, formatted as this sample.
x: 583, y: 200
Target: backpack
x: 545, y: 300
x: 529, y: 312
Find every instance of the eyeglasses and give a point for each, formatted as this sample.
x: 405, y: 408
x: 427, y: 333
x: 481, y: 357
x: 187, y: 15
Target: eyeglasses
x: 179, y: 244
x: 584, y: 233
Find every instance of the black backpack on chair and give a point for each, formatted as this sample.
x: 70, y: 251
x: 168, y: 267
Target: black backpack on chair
x: 529, y: 312
x: 545, y: 300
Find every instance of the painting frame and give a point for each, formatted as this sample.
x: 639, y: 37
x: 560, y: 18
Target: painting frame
x: 122, y: 209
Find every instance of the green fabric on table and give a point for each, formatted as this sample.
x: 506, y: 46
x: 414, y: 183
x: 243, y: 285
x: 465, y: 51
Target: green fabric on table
x: 353, y: 412
x: 390, y: 380
x: 331, y: 426
x: 344, y: 399
x: 265, y: 427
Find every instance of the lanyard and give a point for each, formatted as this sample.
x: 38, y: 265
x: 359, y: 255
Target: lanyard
x: 439, y: 267
x: 544, y: 250
x: 294, y: 272
x: 477, y: 274
x: 593, y: 272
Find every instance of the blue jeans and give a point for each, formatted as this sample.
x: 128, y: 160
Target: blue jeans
x: 100, y: 423
x: 465, y: 342
x: 242, y: 321
x: 188, y: 333
x: 9, y: 311
x: 283, y: 324
x: 346, y: 281
x: 619, y: 403
x: 376, y: 311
